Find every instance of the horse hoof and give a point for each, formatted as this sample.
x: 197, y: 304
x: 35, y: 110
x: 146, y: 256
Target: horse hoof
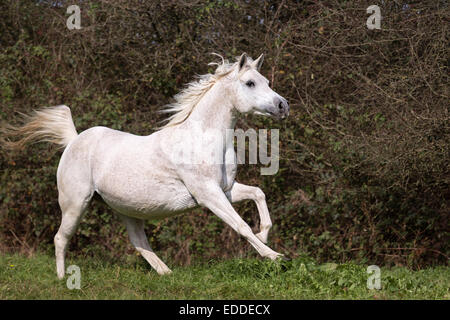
x: 164, y: 272
x: 282, y: 257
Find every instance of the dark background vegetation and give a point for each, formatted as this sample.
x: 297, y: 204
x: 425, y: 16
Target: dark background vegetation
x: 364, y: 172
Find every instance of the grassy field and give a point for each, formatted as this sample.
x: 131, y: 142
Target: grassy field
x: 34, y: 278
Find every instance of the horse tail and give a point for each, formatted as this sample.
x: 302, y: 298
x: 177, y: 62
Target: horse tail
x: 53, y: 124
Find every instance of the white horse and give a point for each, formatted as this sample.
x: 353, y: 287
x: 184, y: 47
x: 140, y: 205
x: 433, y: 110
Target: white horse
x: 137, y: 175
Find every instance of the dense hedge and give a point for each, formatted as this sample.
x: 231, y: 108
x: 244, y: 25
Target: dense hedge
x: 364, y: 172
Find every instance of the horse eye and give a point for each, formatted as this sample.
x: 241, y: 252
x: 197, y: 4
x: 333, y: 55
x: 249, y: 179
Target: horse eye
x: 250, y: 83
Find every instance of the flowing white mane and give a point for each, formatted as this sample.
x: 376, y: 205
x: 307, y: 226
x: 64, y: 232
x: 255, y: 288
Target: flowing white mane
x: 188, y: 98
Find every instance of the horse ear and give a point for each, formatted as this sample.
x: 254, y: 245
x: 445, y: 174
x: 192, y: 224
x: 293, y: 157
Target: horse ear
x: 258, y: 62
x: 242, y: 61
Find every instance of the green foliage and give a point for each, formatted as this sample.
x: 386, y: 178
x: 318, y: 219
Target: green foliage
x: 34, y: 278
x: 364, y: 170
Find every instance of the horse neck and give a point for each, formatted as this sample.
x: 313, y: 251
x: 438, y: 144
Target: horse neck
x: 214, y: 110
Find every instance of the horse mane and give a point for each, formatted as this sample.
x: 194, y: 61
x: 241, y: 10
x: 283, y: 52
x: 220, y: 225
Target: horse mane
x: 188, y: 98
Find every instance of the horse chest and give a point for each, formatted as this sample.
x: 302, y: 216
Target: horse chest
x: 229, y: 169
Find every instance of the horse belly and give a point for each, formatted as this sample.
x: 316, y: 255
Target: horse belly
x: 146, y: 198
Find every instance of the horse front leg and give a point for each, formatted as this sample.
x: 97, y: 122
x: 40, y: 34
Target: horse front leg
x: 212, y: 197
x: 239, y: 192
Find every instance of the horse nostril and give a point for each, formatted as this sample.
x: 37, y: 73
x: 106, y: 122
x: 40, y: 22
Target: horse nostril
x: 280, y: 106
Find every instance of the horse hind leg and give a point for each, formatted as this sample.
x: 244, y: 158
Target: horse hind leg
x: 72, y: 208
x: 136, y: 232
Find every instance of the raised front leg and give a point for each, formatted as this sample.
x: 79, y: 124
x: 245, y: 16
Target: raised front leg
x: 241, y: 192
x: 136, y: 232
x: 212, y: 197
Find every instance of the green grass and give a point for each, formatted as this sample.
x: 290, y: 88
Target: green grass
x: 35, y: 278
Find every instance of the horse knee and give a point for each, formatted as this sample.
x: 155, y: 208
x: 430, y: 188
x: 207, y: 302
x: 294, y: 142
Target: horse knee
x: 259, y: 195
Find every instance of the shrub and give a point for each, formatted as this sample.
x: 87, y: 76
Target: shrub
x: 364, y: 172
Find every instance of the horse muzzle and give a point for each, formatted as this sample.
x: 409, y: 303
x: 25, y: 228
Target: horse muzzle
x: 280, y: 109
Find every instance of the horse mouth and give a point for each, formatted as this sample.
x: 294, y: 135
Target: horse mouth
x: 277, y: 116
x: 272, y: 114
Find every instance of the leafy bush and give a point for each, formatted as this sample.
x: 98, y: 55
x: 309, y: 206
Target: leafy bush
x: 364, y: 172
